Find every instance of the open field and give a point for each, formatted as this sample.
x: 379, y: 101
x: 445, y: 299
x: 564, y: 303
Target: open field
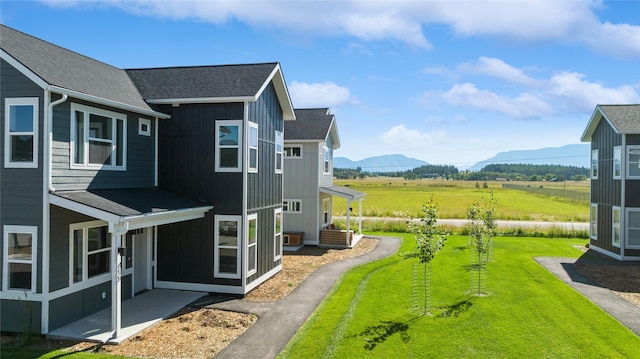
x: 528, y: 312
x: 395, y: 197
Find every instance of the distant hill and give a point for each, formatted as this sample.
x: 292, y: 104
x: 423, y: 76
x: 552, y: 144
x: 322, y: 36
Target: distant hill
x: 569, y: 155
x: 386, y: 163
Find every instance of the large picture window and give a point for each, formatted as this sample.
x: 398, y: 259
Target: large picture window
x: 615, y: 228
x: 594, y: 164
x: 277, y: 235
x: 633, y: 162
x: 98, y: 138
x: 90, y: 250
x: 252, y: 244
x: 19, y: 250
x: 279, y: 149
x: 633, y: 228
x: 253, y: 147
x: 593, y: 215
x: 227, y: 247
x: 229, y: 146
x: 21, y: 132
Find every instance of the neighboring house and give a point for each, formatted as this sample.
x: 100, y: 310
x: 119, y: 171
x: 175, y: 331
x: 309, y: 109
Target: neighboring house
x: 309, y: 142
x: 614, y: 133
x: 113, y: 181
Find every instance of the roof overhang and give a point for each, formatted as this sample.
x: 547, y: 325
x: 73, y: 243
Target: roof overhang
x: 135, y: 208
x: 595, y: 119
x: 343, y: 192
x: 282, y: 92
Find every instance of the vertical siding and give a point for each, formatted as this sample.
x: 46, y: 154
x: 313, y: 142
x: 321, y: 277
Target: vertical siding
x: 301, y: 182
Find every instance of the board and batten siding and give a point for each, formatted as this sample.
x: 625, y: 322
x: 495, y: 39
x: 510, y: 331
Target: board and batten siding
x: 140, y: 152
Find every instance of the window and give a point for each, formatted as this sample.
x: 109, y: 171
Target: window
x: 615, y: 219
x: 98, y: 138
x: 325, y: 212
x: 19, y: 250
x: 633, y: 162
x: 277, y: 235
x: 144, y: 127
x: 226, y: 250
x: 594, y: 164
x: 228, y: 145
x: 617, y: 164
x: 293, y: 151
x: 633, y: 228
x: 593, y: 215
x: 252, y: 244
x: 292, y: 206
x: 90, y: 250
x: 253, y: 147
x: 327, y: 160
x: 286, y: 239
x: 21, y: 132
x: 279, y: 147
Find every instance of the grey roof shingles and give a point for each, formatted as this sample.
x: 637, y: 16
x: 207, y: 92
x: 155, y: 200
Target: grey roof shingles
x: 625, y: 118
x: 310, y: 124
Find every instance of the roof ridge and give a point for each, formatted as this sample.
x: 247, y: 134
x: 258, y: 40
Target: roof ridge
x: 200, y: 66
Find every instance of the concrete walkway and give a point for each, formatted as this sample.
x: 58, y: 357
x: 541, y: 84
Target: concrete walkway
x: 625, y: 312
x: 279, y: 321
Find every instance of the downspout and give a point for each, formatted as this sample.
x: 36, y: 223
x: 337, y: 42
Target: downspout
x: 623, y: 195
x: 117, y: 230
x: 155, y: 179
x: 245, y: 199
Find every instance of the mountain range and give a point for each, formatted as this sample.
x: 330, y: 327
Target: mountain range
x: 569, y: 155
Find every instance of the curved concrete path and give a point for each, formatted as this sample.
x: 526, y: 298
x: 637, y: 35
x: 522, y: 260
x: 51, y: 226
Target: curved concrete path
x: 279, y: 321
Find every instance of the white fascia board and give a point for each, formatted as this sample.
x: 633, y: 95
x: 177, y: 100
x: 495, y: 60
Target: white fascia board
x: 171, y: 101
x: 23, y: 69
x: 157, y: 219
x: 84, y: 209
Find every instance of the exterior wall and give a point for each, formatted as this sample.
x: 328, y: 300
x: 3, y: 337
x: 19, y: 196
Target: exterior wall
x: 20, y: 315
x: 632, y: 186
x: 140, y: 152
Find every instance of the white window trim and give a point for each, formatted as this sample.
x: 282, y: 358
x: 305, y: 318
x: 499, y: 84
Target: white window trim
x: 33, y: 231
x: 219, y: 124
x: 289, y: 202
x: 593, y: 222
x: 85, y: 252
x: 277, y: 255
x: 594, y: 156
x: 279, y: 154
x: 613, y: 227
x: 72, y: 141
x: 626, y: 225
x: 322, y: 212
x: 326, y: 162
x: 251, y: 217
x: 617, y: 150
x: 300, y: 147
x: 20, y: 101
x: 217, y: 246
x: 250, y: 169
x: 142, y: 122
x: 628, y: 163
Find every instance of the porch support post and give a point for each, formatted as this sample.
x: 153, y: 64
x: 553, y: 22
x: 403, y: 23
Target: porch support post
x: 360, y: 216
x: 117, y: 232
x: 348, y: 221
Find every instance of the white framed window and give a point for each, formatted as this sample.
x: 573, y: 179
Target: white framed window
x: 279, y: 149
x: 633, y: 162
x: 21, y: 132
x: 98, y: 138
x: 593, y: 218
x: 617, y: 162
x: 227, y: 246
x: 252, y: 244
x: 615, y: 226
x: 325, y: 212
x: 292, y: 206
x: 89, y: 250
x: 293, y: 151
x: 253, y: 147
x: 228, y: 146
x: 633, y: 228
x: 277, y: 234
x: 144, y: 127
x: 20, y: 253
x: 286, y: 239
x: 594, y: 164
x: 326, y: 156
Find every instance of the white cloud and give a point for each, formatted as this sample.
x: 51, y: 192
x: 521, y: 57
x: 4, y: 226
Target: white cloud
x: 326, y: 94
x: 499, y: 69
x: 576, y: 94
x: 401, y: 139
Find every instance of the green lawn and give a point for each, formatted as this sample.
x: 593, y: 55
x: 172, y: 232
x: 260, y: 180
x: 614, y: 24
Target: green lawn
x: 529, y: 313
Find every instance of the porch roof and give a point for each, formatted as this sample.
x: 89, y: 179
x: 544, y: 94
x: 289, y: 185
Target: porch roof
x: 343, y: 192
x: 134, y: 207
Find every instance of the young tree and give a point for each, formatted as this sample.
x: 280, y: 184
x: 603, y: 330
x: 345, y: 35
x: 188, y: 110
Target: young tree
x: 482, y: 229
x: 429, y: 241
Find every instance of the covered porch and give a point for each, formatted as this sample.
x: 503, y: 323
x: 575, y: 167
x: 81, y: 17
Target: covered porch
x: 351, y: 235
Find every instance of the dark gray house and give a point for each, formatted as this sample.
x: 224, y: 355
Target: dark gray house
x: 114, y: 182
x: 614, y: 133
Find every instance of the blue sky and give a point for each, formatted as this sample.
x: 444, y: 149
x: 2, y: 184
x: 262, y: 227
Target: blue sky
x: 448, y: 82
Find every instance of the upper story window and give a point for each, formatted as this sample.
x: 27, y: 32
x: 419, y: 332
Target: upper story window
x: 253, y: 147
x: 228, y: 146
x: 279, y: 148
x: 21, y: 132
x: 98, y: 138
x: 292, y: 206
x: 19, y: 258
x: 294, y: 151
x: 633, y: 162
x: 594, y: 164
x: 144, y: 127
x: 617, y: 162
x: 326, y: 155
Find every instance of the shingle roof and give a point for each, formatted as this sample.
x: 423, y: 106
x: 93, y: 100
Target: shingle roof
x: 69, y: 70
x: 224, y: 81
x: 310, y: 124
x: 625, y: 119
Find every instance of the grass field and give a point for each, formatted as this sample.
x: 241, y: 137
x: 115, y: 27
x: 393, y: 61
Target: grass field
x: 395, y: 197
x: 528, y: 313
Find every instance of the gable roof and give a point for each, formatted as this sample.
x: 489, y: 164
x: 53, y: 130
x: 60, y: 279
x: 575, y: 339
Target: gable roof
x: 60, y: 70
x: 624, y: 119
x: 208, y: 84
x: 312, y: 124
